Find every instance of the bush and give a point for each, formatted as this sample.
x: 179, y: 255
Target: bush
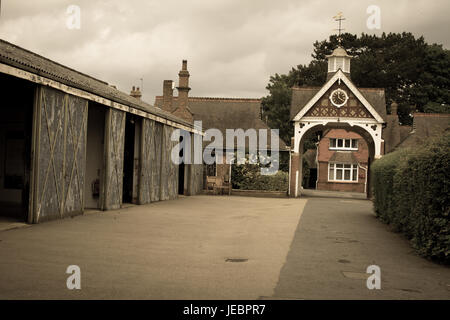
x: 249, y: 177
x: 434, y: 107
x: 410, y: 189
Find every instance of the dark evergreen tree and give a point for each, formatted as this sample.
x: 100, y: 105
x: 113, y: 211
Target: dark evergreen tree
x: 413, y: 73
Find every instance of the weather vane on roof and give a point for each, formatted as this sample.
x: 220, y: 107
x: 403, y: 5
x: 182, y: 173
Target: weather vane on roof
x: 339, y: 17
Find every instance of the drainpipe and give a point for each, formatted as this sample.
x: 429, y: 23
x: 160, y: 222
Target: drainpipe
x: 317, y: 162
x: 229, y: 180
x: 365, y: 182
x: 289, y: 180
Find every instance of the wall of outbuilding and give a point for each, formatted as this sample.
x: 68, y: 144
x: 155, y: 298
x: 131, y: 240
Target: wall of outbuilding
x: 194, y: 172
x: 114, y: 144
x: 59, y: 161
x: 158, y: 174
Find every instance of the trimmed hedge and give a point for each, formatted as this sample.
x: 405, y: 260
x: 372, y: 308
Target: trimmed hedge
x: 249, y: 177
x: 411, y: 193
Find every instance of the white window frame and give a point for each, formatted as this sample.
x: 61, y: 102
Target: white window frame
x: 353, y: 166
x: 343, y: 144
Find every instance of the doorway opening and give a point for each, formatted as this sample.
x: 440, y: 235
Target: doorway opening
x: 312, y: 179
x: 181, y: 168
x: 95, y: 156
x: 16, y: 118
x: 341, y: 162
x: 129, y: 158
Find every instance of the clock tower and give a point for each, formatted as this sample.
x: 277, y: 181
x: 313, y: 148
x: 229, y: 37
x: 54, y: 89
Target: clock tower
x: 339, y: 59
x: 348, y: 121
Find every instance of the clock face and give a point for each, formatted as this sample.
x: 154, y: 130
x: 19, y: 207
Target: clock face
x: 338, y: 97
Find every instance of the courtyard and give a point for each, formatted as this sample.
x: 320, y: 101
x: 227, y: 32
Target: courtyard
x: 218, y: 247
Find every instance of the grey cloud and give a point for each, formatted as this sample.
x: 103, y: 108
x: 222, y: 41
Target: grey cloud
x: 233, y: 46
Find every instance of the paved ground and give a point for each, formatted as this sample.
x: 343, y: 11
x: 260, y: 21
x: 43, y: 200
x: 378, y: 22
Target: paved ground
x: 167, y: 250
x: 7, y: 223
x: 334, y: 244
x: 179, y: 249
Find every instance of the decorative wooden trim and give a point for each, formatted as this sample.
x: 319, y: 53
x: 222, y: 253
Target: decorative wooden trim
x: 339, y: 119
x: 338, y: 75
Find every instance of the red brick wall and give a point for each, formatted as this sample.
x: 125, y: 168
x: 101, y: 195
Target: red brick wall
x: 362, y: 155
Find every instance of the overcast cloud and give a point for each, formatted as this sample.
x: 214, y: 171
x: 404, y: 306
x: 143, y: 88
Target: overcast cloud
x: 232, y: 46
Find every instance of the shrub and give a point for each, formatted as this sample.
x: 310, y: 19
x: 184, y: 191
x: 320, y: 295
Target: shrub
x: 410, y: 190
x: 249, y: 177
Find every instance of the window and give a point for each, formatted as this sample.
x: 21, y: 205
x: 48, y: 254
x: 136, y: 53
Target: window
x: 342, y: 172
x: 347, y: 143
x: 343, y: 144
x: 332, y: 143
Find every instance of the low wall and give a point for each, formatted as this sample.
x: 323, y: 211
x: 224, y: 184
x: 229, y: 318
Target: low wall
x: 259, y: 193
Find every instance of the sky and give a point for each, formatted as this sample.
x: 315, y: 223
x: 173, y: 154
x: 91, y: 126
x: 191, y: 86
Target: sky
x: 232, y: 46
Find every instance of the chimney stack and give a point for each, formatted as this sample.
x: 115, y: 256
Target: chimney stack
x: 136, y: 93
x: 183, y: 83
x: 182, y: 109
x: 167, y: 95
x: 394, y: 108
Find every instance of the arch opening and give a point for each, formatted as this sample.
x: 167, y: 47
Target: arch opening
x: 370, y: 135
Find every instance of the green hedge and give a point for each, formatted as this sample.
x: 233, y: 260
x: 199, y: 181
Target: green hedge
x: 411, y: 193
x: 249, y: 177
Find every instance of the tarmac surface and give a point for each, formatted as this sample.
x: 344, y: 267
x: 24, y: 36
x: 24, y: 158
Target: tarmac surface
x: 202, y: 247
x: 334, y: 244
x: 218, y: 247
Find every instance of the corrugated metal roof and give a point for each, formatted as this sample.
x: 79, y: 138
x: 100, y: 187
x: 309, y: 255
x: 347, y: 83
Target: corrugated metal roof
x: 26, y: 60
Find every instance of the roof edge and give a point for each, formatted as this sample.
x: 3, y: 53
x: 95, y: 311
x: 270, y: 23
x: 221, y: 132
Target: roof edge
x: 218, y: 99
x: 53, y: 61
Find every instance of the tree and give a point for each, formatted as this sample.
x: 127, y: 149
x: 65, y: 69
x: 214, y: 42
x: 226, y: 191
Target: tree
x: 413, y: 73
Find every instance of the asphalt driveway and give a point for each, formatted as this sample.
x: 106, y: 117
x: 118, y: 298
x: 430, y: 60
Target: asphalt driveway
x: 335, y: 242
x: 218, y: 247
x: 202, y: 247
